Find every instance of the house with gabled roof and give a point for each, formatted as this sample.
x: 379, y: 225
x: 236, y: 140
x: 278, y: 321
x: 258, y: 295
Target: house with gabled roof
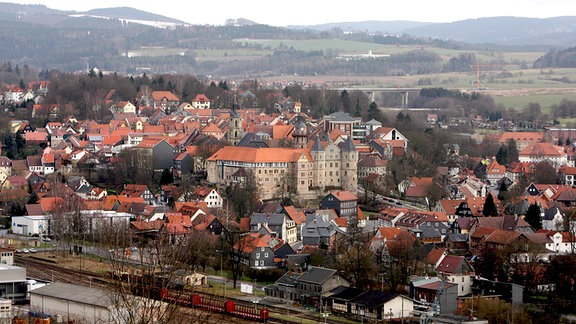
x: 183, y: 164
x: 319, y: 231
x: 425, y: 289
x: 209, y: 224
x: 158, y: 152
x: 200, y: 102
x: 208, y: 195
x: 297, y: 216
x: 141, y: 191
x: 390, y: 134
x: 344, y: 202
x: 147, y: 229
x: 165, y: 100
x: 560, y: 242
x: 390, y: 237
x: 415, y: 186
x: 494, y: 172
x: 449, y: 207
x: 277, y: 224
x: 192, y: 209
x: 458, y: 270
x: 433, y: 258
x: 256, y: 250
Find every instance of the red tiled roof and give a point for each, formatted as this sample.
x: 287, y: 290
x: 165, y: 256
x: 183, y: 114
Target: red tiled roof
x: 159, y: 95
x: 249, y: 154
x: 344, y: 195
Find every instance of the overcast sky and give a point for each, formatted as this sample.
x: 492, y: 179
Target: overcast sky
x: 311, y: 12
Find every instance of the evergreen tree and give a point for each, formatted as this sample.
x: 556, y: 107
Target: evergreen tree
x: 33, y: 199
x: 533, y: 217
x: 502, y: 191
x: 511, y: 151
x: 489, y: 206
x: 501, y: 155
x: 167, y: 177
x: 374, y: 112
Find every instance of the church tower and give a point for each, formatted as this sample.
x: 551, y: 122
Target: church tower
x: 235, y: 129
x: 300, y: 133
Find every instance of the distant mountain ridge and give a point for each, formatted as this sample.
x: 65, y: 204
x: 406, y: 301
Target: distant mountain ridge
x: 515, y: 31
x: 42, y: 15
x: 132, y: 14
x: 391, y: 27
x: 503, y: 31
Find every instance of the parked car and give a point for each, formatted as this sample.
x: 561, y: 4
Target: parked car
x: 46, y: 239
x: 32, y: 250
x: 25, y: 251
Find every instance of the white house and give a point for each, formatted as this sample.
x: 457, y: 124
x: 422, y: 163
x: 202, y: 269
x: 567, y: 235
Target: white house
x: 562, y: 242
x: 208, y: 195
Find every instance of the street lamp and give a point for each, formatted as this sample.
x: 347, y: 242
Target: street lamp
x: 325, y: 315
x: 222, y: 272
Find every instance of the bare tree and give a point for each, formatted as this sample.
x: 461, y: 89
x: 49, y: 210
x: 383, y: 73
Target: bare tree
x: 143, y: 269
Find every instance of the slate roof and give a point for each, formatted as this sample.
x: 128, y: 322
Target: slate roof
x: 374, y: 298
x: 271, y: 219
x: 348, y: 145
x: 549, y: 213
x: 317, y: 146
x: 316, y: 275
x: 288, y: 279
x: 345, y: 293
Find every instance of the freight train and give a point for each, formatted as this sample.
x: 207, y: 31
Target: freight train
x: 228, y: 306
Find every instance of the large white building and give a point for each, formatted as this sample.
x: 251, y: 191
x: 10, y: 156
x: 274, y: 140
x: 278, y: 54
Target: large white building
x: 94, y: 219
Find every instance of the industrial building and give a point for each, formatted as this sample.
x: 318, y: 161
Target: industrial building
x: 13, y: 283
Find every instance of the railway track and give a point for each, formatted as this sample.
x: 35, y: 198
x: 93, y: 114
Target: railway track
x: 47, y: 271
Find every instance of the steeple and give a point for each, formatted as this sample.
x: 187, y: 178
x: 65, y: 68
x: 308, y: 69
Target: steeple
x: 235, y: 129
x: 300, y: 133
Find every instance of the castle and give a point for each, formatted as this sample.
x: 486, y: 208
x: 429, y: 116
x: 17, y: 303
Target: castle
x: 308, y: 170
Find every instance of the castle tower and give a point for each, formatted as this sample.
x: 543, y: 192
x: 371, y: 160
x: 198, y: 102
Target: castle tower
x: 300, y: 133
x: 349, y: 166
x: 235, y: 129
x: 319, y: 156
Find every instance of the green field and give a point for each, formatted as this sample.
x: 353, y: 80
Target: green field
x: 512, y: 82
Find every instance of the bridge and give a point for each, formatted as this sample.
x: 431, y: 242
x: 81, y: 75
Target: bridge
x: 370, y: 91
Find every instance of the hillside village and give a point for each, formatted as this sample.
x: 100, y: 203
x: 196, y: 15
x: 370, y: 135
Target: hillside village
x: 304, y: 198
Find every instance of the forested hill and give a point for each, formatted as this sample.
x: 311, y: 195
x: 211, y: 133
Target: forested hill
x: 515, y: 31
x: 44, y: 38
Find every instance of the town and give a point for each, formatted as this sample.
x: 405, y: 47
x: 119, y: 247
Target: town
x: 356, y: 212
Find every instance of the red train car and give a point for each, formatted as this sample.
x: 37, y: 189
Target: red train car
x: 215, y: 305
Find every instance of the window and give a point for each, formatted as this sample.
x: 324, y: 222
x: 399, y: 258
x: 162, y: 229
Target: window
x: 257, y: 255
